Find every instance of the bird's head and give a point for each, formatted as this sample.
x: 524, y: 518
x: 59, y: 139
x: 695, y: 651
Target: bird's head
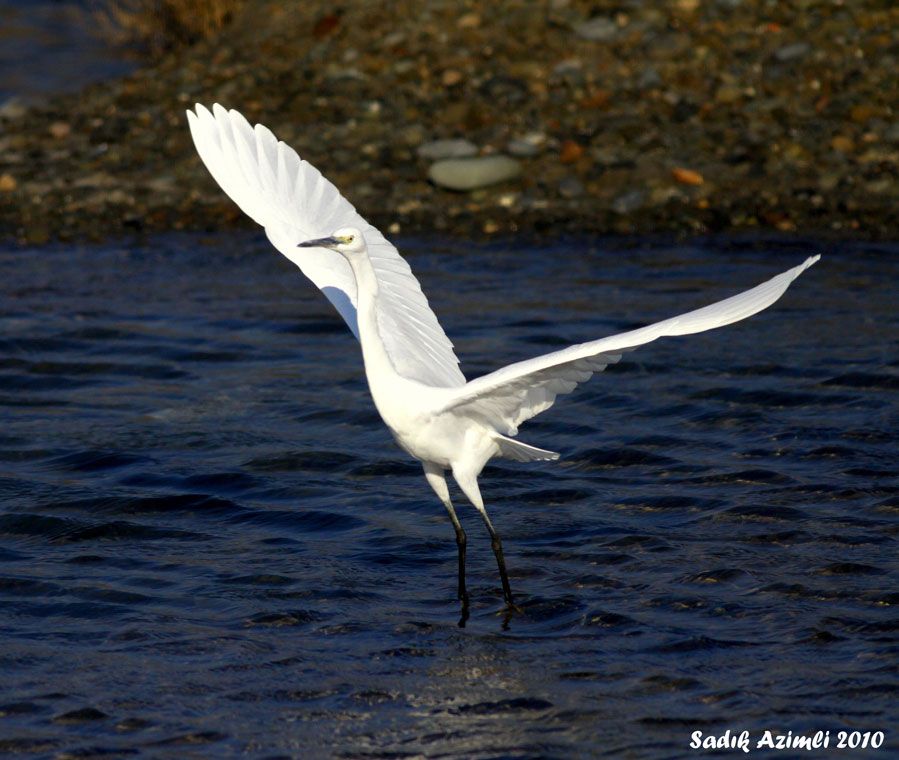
x: 347, y: 241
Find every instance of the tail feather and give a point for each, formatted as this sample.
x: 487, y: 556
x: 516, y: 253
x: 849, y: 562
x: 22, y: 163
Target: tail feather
x: 509, y: 448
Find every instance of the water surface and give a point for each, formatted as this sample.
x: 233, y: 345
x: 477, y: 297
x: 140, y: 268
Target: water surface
x: 210, y: 546
x: 50, y: 46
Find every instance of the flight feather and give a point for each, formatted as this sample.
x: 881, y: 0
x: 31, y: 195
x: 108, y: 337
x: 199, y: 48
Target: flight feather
x: 294, y: 202
x: 506, y: 398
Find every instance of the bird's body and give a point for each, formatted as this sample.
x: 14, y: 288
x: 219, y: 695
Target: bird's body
x: 408, y: 407
x: 434, y: 414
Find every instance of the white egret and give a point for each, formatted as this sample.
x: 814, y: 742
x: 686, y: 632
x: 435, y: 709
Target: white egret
x: 435, y: 415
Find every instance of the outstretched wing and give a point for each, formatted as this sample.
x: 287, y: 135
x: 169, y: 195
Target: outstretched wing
x: 293, y: 202
x: 506, y: 398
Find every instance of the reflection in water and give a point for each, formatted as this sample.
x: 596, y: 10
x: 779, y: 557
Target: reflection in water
x: 208, y: 538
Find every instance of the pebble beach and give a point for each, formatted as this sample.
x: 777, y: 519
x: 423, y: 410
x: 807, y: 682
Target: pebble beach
x: 681, y: 118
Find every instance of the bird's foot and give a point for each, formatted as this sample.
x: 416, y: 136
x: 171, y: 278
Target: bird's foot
x: 508, y: 612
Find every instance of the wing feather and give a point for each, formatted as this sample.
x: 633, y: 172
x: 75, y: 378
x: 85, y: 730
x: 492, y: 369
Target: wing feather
x: 506, y: 398
x: 293, y: 202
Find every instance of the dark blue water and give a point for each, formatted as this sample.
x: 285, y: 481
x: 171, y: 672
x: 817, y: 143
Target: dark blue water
x: 53, y: 46
x: 210, y: 546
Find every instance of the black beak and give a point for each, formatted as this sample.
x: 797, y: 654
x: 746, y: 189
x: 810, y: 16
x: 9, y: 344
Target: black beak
x: 325, y: 242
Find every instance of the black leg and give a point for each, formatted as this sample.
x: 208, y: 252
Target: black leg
x: 463, y: 615
x: 435, y: 475
x: 501, y: 564
x: 461, y: 543
x: 468, y: 482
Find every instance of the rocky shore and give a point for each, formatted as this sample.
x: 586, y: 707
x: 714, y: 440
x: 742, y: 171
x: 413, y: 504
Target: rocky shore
x: 476, y: 119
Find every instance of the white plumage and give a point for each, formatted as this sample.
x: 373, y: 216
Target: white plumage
x: 291, y: 199
x: 412, y: 372
x: 513, y: 394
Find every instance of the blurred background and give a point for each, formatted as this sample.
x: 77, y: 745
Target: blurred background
x: 605, y: 116
x: 49, y: 48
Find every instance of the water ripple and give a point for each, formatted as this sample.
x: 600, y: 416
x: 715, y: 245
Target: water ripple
x: 210, y: 546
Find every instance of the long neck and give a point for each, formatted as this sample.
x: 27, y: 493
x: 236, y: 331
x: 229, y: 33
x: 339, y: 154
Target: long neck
x: 374, y: 353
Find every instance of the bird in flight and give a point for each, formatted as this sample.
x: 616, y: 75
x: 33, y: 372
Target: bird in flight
x: 437, y: 416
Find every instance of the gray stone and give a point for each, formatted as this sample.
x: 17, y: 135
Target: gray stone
x: 570, y: 67
x: 527, y: 145
x: 597, y: 29
x: 792, y: 52
x: 472, y: 173
x: 441, y: 149
x: 349, y: 73
x: 628, y: 202
x: 13, y: 108
x: 570, y: 187
x: 649, y: 79
x: 570, y: 71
